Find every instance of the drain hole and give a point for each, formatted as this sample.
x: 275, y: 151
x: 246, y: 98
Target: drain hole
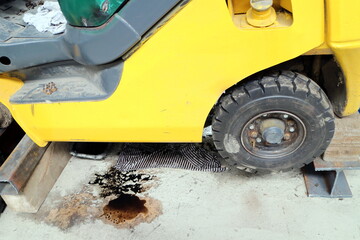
x: 5, y: 60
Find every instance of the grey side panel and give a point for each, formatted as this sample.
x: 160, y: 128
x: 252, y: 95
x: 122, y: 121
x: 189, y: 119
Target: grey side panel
x: 155, y: 28
x: 31, y: 32
x: 94, y: 46
x: 70, y: 82
x: 24, y: 48
x: 143, y: 14
x: 7, y: 29
x: 30, y: 53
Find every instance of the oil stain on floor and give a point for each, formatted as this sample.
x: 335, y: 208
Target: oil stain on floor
x: 124, y: 208
x: 127, y: 209
x: 115, y: 182
x: 121, y: 202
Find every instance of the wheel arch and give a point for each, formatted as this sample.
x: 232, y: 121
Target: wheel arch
x: 323, y: 69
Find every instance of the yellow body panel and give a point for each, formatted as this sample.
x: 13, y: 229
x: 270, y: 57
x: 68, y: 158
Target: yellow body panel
x: 9, y: 86
x: 343, y: 36
x: 171, y: 83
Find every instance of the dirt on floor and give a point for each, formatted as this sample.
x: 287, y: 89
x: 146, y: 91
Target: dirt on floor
x: 116, y: 198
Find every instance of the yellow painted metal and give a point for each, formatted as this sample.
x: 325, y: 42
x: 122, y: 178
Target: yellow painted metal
x: 9, y: 85
x: 171, y: 83
x: 286, y: 4
x: 343, y: 36
x: 261, y: 13
x: 242, y: 6
x: 239, y: 6
x: 261, y: 18
x: 323, y: 49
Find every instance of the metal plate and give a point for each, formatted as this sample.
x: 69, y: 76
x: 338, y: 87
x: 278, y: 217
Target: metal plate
x: 328, y: 184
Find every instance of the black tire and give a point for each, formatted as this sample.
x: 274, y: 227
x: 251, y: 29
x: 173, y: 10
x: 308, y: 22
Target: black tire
x: 284, y: 91
x: 5, y: 116
x: 2, y: 205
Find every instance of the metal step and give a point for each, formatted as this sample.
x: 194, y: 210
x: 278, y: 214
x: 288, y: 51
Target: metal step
x: 326, y: 177
x: 67, y: 81
x: 346, y: 142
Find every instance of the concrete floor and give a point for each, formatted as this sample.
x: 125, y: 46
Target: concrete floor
x: 194, y: 205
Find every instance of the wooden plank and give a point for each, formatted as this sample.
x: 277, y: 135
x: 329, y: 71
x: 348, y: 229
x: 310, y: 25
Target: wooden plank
x: 345, y: 145
x: 41, y: 181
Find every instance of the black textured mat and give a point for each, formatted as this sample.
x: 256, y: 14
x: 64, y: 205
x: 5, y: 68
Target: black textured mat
x: 197, y: 157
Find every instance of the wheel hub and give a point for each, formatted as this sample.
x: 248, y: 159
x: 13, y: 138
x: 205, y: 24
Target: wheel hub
x: 272, y: 130
x: 273, y: 134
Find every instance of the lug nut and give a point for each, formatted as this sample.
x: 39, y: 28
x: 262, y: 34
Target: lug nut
x: 253, y: 134
x: 285, y: 116
x: 265, y: 115
x: 258, y: 140
x: 251, y: 127
x: 291, y: 129
x: 287, y: 136
x: 291, y: 123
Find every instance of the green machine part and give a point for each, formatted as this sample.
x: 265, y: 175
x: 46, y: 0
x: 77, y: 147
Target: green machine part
x: 89, y: 13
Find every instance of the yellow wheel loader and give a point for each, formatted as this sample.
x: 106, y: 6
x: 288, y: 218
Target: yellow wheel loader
x: 267, y: 75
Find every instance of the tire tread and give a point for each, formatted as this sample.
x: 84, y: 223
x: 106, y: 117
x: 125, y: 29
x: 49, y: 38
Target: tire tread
x: 285, y: 81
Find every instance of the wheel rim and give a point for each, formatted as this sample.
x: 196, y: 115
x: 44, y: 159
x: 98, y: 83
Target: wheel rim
x: 273, y: 134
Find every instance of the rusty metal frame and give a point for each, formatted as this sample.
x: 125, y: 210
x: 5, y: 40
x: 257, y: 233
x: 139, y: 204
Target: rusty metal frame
x: 18, y: 167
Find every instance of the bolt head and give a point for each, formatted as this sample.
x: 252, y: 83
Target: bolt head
x: 291, y: 123
x: 254, y: 134
x: 287, y: 136
x: 258, y: 140
x: 285, y: 116
x: 291, y: 129
x: 251, y: 127
x: 261, y: 5
x: 105, y: 6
